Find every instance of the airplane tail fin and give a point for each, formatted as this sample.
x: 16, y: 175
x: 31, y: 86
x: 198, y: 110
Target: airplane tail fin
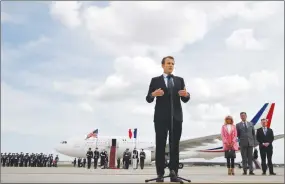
x: 266, y: 112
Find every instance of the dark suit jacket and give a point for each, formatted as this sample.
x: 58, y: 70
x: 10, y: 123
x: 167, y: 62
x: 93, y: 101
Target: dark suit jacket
x: 261, y: 138
x: 162, y: 112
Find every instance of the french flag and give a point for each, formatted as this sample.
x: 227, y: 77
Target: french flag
x: 134, y: 132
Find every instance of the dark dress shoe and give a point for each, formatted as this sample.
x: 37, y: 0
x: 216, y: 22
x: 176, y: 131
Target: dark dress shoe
x: 272, y: 173
x: 175, y: 179
x: 160, y: 178
x: 264, y: 173
x: 244, y: 173
x: 251, y: 173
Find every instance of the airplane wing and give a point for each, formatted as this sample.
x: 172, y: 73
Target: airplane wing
x: 206, y: 141
x: 188, y: 144
x: 280, y: 136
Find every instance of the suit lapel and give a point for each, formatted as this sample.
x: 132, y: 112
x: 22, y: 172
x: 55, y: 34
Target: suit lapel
x: 163, y: 82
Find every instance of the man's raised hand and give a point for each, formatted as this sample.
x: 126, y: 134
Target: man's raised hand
x: 183, y: 93
x: 158, y: 92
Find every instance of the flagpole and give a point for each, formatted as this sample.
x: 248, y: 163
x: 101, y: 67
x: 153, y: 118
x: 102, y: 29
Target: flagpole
x: 97, y: 138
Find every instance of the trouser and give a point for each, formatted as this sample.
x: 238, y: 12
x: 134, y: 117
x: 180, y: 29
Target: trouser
x: 161, y: 130
x: 127, y: 163
x: 102, y: 161
x: 118, y: 163
x: 88, y: 163
x: 142, y: 163
x: 230, y: 163
x: 266, y: 152
x: 247, y: 157
x: 95, y: 163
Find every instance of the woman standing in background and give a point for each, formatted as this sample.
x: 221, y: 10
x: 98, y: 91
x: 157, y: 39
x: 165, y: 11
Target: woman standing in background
x: 229, y: 138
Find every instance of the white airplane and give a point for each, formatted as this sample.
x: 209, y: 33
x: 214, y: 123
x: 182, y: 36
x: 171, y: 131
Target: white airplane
x: 202, y: 147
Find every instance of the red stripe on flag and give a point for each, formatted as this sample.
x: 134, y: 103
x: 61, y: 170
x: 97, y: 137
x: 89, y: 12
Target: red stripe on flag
x: 130, y: 133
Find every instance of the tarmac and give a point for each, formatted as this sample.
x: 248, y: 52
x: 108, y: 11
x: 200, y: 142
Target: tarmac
x: 83, y: 175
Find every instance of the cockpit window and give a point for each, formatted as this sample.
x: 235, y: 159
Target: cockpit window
x: 63, y: 142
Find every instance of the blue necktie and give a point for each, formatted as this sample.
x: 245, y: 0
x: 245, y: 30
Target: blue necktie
x: 169, y: 83
x: 265, y: 130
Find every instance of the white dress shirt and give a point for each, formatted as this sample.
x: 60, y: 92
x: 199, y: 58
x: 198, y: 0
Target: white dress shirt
x: 166, y: 79
x: 229, y: 127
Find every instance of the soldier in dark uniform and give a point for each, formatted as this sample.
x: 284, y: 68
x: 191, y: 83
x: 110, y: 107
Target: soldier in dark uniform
x: 126, y: 158
x: 79, y: 162
x: 102, y: 158
x: 50, y: 160
x: 26, y: 160
x: 142, y: 157
x: 118, y: 163
x: 56, y: 159
x: 21, y: 159
x: 11, y: 158
x: 89, y: 156
x: 84, y: 162
x: 32, y: 160
x: 106, y: 160
x: 96, y: 157
x: 16, y: 160
x: 135, y: 157
x: 74, y: 162
x: 4, y: 159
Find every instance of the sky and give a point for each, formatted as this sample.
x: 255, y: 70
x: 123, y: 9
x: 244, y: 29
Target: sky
x: 71, y: 67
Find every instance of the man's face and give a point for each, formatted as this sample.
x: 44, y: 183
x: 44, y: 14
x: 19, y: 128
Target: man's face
x: 264, y: 123
x: 168, y: 66
x: 243, y: 116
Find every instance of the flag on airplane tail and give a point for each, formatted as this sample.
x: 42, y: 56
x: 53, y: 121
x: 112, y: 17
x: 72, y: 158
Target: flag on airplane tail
x: 130, y: 133
x: 135, y: 133
x: 92, y: 134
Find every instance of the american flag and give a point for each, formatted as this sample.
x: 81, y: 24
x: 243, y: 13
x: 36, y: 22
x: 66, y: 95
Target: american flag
x: 92, y: 134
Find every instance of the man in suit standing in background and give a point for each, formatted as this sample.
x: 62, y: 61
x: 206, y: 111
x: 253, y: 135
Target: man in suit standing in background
x: 265, y: 137
x: 246, y: 136
x: 162, y: 88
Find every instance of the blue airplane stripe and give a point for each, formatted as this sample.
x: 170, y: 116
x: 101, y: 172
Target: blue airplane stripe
x: 258, y: 115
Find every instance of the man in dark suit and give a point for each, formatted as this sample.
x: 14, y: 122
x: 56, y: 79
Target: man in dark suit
x: 265, y: 137
x: 161, y: 88
x: 246, y: 135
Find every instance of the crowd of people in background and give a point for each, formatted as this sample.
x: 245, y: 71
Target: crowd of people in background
x: 94, y: 157
x: 28, y: 160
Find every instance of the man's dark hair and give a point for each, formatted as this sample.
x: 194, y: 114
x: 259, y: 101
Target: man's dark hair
x: 163, y: 59
x: 263, y: 119
x: 242, y: 113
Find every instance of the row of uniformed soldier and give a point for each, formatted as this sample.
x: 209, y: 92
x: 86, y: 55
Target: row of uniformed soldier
x: 127, y: 155
x: 28, y: 160
x: 96, y: 155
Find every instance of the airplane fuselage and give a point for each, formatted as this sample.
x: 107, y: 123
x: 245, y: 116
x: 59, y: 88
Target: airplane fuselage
x: 80, y: 147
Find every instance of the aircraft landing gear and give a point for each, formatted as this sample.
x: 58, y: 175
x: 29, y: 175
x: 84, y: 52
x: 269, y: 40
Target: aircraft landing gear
x: 180, y: 166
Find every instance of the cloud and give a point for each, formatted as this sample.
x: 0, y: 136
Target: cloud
x: 244, y: 39
x: 151, y: 29
x: 94, y: 73
x: 131, y: 74
x: 67, y: 12
x: 5, y: 17
x: 12, y: 19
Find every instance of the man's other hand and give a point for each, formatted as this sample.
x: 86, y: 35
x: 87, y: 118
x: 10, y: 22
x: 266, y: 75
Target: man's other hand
x: 158, y: 92
x: 183, y: 93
